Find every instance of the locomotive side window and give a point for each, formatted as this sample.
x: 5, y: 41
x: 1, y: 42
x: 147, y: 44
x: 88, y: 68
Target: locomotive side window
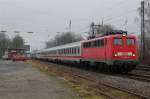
x: 130, y: 41
x: 118, y: 41
x: 87, y: 44
x: 105, y: 41
x: 96, y: 43
x: 102, y: 42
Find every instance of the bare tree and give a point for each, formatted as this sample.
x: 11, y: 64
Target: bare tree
x: 99, y: 30
x: 63, y: 38
x: 5, y: 42
x: 17, y: 42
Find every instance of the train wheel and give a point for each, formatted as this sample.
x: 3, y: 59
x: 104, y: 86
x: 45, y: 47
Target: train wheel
x: 87, y: 64
x: 115, y: 69
x: 126, y: 69
x: 111, y: 68
x: 99, y: 66
x: 106, y: 68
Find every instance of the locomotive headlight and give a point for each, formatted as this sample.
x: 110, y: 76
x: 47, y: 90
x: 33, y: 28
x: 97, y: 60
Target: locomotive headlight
x: 124, y: 34
x: 133, y: 55
x: 116, y: 55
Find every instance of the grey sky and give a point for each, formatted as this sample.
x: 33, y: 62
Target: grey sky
x: 46, y: 17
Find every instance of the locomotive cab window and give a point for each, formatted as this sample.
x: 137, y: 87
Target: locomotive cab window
x: 118, y: 41
x: 130, y: 41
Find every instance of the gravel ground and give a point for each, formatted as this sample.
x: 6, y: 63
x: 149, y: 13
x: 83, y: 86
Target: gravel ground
x: 20, y: 80
x: 136, y: 86
x: 140, y: 72
x: 139, y: 87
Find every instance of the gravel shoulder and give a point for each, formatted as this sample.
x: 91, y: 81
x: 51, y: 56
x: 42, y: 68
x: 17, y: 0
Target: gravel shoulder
x: 134, y: 86
x: 19, y: 80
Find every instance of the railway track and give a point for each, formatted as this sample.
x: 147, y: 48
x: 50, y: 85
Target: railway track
x: 143, y: 68
x: 93, y: 77
x: 114, y: 87
x: 139, y: 77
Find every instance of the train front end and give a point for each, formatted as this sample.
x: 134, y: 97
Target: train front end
x: 124, y: 52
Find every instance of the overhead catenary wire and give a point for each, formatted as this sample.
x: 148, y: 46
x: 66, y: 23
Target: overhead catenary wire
x: 110, y: 17
x: 114, y: 7
x: 117, y: 4
x: 121, y: 15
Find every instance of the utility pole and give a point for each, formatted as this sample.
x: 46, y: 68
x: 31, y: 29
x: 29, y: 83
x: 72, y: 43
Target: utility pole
x: 70, y: 26
x: 92, y: 28
x: 142, y: 31
x: 102, y: 22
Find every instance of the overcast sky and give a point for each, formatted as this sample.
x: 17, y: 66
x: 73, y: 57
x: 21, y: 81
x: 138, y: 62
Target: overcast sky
x: 47, y: 17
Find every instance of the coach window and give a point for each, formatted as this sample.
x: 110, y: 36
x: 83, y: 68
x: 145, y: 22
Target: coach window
x: 78, y: 50
x: 118, y: 41
x: 60, y: 51
x: 67, y: 50
x: 75, y: 50
x: 63, y: 51
x: 72, y: 50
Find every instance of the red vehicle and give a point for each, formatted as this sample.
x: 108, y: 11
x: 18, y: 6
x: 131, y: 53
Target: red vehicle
x: 114, y: 52
x: 19, y: 57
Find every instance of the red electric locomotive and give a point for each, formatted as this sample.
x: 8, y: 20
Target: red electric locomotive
x: 117, y: 52
x: 114, y: 52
